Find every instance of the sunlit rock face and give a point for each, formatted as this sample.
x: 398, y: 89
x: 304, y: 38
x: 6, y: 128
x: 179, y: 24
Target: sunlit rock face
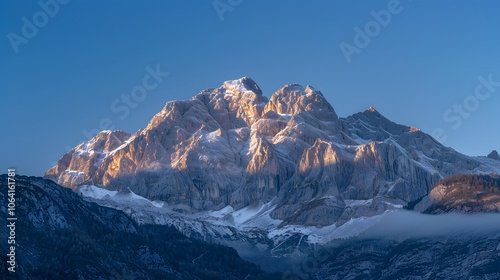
x: 294, y: 99
x: 232, y: 146
x: 83, y: 161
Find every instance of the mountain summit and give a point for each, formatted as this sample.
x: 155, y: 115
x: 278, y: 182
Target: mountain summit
x: 294, y: 99
x: 494, y: 155
x: 242, y: 85
x: 231, y: 146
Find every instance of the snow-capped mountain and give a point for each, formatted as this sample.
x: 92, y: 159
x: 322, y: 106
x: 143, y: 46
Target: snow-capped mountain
x: 270, y: 177
x: 231, y: 146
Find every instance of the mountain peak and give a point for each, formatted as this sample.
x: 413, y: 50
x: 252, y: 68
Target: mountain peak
x: 294, y: 99
x: 415, y: 129
x: 241, y: 85
x: 370, y: 113
x: 298, y: 89
x: 494, y: 155
x: 374, y: 119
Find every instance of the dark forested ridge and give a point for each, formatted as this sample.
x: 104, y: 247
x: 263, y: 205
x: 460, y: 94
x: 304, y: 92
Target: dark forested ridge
x: 474, y: 190
x: 437, y: 257
x: 475, y: 182
x: 60, y: 236
x: 463, y: 193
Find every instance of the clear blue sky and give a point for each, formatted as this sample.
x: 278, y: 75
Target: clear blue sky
x: 65, y: 78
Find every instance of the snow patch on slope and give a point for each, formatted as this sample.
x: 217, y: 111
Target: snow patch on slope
x: 323, y: 235
x: 225, y: 223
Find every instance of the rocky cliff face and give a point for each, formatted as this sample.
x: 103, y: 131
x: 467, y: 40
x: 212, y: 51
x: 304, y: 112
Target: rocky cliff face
x: 232, y: 146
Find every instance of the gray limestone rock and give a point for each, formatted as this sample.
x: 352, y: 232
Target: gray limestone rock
x: 232, y: 146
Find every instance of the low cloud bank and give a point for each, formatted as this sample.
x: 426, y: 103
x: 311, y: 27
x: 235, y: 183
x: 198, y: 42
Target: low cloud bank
x: 408, y: 224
